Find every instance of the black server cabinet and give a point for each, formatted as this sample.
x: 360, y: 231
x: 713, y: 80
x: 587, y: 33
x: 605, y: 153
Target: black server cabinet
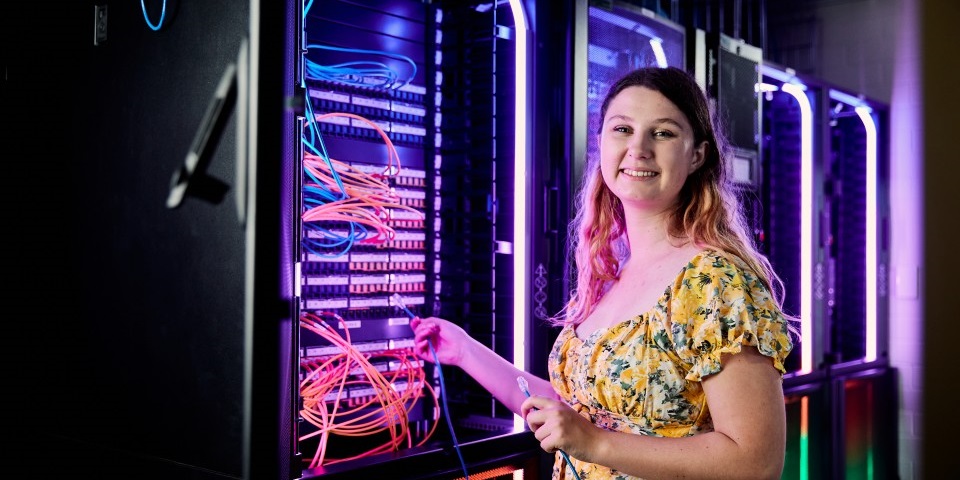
x: 857, y: 213
x: 148, y: 146
x: 825, y: 184
x: 431, y: 102
x: 792, y: 235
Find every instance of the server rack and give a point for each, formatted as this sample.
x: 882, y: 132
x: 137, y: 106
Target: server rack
x: 857, y: 213
x: 825, y: 183
x: 443, y: 126
x: 791, y: 233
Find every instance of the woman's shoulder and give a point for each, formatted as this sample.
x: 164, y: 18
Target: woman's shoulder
x: 714, y: 261
x: 714, y: 270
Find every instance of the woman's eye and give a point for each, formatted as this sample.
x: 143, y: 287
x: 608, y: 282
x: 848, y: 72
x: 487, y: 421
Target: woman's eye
x: 663, y: 133
x: 622, y: 129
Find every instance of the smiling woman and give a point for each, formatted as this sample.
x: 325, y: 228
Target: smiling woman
x: 648, y: 149
x: 670, y: 358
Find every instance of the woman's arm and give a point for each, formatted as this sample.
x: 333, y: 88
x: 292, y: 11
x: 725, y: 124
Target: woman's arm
x: 455, y: 347
x: 749, y: 439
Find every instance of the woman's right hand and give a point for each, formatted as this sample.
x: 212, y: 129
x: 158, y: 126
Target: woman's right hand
x: 448, y: 339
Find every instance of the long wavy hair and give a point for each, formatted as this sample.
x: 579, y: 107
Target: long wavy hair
x: 707, y: 210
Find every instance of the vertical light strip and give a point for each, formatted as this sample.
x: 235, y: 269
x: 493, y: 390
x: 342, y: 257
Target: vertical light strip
x: 806, y: 225
x: 865, y: 116
x: 805, y: 437
x: 520, y: 195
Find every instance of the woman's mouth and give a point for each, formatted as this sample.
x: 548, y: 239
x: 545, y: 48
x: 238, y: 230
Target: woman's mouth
x: 639, y: 173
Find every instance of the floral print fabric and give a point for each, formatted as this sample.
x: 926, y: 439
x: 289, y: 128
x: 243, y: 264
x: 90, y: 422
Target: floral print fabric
x: 643, y: 375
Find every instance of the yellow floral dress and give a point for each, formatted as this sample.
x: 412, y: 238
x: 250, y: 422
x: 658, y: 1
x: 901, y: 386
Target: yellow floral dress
x: 643, y: 375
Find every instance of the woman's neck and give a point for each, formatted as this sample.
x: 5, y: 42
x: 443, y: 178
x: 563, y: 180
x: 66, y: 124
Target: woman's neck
x: 648, y: 232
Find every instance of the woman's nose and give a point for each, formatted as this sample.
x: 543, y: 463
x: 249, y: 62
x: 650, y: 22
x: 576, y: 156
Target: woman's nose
x: 638, y: 147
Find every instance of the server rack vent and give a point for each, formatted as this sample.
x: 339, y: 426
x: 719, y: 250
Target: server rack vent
x: 476, y: 209
x: 848, y: 244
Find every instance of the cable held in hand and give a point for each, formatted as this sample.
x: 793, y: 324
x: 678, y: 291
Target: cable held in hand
x: 525, y: 388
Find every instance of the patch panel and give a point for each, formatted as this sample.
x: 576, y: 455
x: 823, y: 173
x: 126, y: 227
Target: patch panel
x: 334, y: 304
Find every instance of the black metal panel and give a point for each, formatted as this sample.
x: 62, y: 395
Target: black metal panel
x: 809, y: 433
x: 137, y: 310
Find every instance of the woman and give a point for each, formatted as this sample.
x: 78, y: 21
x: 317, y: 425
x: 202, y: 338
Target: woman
x: 670, y: 360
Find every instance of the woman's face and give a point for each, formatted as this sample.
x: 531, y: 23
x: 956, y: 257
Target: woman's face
x: 647, y: 149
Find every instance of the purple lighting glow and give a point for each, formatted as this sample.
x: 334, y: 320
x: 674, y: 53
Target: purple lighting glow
x: 806, y: 224
x: 866, y: 117
x: 520, y: 187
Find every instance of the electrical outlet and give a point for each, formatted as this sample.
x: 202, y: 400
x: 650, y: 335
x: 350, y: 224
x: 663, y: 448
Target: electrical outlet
x: 99, y: 24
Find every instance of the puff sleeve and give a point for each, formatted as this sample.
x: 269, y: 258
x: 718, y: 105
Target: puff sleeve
x: 720, y: 306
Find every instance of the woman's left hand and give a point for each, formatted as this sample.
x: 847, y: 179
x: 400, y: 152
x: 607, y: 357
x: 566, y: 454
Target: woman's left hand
x: 559, y: 427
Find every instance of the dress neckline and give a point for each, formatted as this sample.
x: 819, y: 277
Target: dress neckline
x: 662, y: 298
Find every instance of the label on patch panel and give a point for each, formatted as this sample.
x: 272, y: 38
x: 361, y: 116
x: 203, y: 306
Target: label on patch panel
x: 369, y: 257
x: 408, y: 278
x: 361, y: 124
x: 412, y: 172
x: 401, y: 107
x: 398, y: 321
x: 332, y: 119
x: 402, y: 343
x: 334, y: 396
x: 312, y: 257
x: 371, y: 102
x: 322, y: 351
x: 411, y: 236
x: 413, y: 300
x: 333, y: 96
x: 327, y: 280
x: 380, y: 367
x: 369, y: 279
x: 407, y: 257
x: 408, y: 129
x: 326, y: 304
x: 348, y: 324
x: 404, y: 215
x: 415, y: 89
x: 371, y: 346
x: 394, y: 366
x: 404, y: 193
x: 369, y: 302
x: 362, y: 392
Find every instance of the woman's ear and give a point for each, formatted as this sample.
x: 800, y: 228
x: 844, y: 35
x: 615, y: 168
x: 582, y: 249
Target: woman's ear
x: 699, y: 155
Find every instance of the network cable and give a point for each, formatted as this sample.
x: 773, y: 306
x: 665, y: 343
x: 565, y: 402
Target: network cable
x: 525, y: 388
x: 163, y: 15
x: 325, y: 385
x: 360, y: 73
x: 398, y: 301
